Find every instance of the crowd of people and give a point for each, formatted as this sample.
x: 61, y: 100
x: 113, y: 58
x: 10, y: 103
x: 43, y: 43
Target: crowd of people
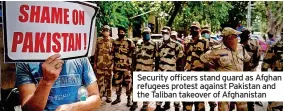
x: 197, y: 52
x: 48, y: 85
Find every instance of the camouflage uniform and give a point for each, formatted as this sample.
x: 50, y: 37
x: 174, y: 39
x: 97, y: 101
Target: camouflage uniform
x: 274, y: 60
x: 253, y: 48
x: 168, y: 54
x: 123, y: 50
x: 193, y: 51
x: 104, y: 65
x: 227, y: 60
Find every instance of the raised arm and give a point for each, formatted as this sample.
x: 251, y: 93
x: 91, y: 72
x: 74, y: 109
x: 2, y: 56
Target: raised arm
x: 35, y: 98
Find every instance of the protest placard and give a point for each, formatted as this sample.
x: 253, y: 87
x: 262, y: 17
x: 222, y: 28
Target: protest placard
x: 33, y: 31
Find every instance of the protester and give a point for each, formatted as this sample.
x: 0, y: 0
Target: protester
x: 54, y: 85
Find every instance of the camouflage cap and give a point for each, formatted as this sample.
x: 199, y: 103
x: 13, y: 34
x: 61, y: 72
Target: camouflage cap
x: 195, y: 24
x: 167, y: 28
x: 205, y: 28
x: 147, y: 29
x: 229, y: 31
x: 174, y: 33
x: 106, y: 27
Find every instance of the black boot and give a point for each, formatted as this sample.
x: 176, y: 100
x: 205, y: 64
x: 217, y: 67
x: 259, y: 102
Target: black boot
x: 177, y: 106
x: 158, y: 108
x: 144, y: 108
x: 167, y: 105
x: 129, y: 104
x: 258, y: 103
x: 134, y: 106
x: 108, y: 100
x: 117, y: 100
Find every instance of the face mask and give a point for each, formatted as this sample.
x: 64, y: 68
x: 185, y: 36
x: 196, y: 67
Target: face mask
x: 146, y: 37
x: 166, y: 37
x: 194, y: 33
x: 231, y: 43
x: 206, y: 35
x: 121, y: 36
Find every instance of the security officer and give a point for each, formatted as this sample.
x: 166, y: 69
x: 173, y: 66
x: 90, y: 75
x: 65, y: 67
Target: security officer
x: 274, y: 60
x: 103, y: 65
x: 174, y: 37
x: 123, y: 51
x: 252, y: 47
x: 144, y: 55
x: 168, y: 54
x: 228, y: 56
x: 206, y: 33
x: 194, y: 47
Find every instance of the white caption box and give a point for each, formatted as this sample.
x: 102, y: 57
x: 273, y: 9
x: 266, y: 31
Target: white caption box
x: 219, y: 86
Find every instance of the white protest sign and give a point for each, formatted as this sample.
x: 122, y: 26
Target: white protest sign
x: 33, y: 31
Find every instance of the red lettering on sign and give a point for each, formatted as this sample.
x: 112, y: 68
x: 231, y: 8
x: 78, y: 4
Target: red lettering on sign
x: 66, y: 16
x: 25, y: 15
x: 45, y: 17
x: 17, y: 39
x: 57, y: 47
x: 47, y: 42
x: 71, y: 42
x: 64, y: 36
x: 75, y: 17
x: 28, y: 42
x: 82, y: 18
x: 35, y: 14
x: 56, y: 16
x: 85, y: 41
x: 78, y: 43
x: 43, y: 14
x: 39, y: 38
x: 78, y: 17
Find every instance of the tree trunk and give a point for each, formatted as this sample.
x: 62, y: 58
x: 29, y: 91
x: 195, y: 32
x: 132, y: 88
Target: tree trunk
x: 274, y: 21
x: 178, y: 7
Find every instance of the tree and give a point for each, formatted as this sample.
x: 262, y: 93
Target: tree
x: 206, y: 12
x: 268, y: 15
x: 274, y: 16
x: 118, y: 13
x: 237, y: 14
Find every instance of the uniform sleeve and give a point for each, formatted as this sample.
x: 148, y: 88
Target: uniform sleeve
x: 209, y: 57
x: 23, y: 74
x: 96, y: 52
x: 88, y: 73
x: 267, y: 60
x: 179, y: 50
x: 207, y: 45
x: 247, y: 57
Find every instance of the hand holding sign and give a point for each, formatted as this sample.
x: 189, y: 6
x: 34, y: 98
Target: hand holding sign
x: 51, y: 68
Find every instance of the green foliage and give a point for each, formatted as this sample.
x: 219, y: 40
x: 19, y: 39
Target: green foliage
x: 118, y: 13
x: 205, y: 12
